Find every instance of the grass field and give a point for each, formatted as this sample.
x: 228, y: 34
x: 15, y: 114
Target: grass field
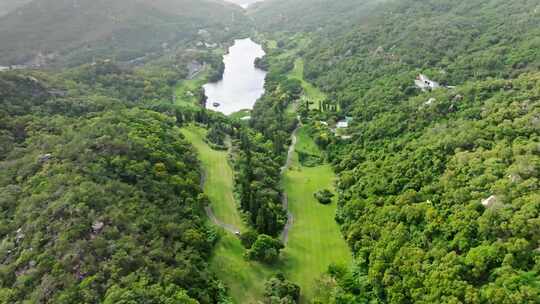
x: 186, y: 88
x: 314, y: 239
x: 245, y: 279
x: 305, y: 144
x: 311, y: 92
x: 219, y: 177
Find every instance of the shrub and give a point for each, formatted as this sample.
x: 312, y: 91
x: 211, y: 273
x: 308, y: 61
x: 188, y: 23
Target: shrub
x: 248, y: 238
x: 279, y: 290
x: 265, y: 249
x: 324, y: 196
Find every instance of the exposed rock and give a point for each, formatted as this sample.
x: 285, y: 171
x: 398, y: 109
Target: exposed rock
x: 514, y: 178
x: 98, y: 226
x: 430, y: 101
x: 19, y: 235
x: 45, y: 157
x: 378, y: 51
x: 490, y: 201
x: 458, y: 98
x: 425, y: 84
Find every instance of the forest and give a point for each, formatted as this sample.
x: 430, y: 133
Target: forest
x: 101, y: 199
x: 436, y: 192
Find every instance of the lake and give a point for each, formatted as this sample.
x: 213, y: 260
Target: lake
x: 242, y: 82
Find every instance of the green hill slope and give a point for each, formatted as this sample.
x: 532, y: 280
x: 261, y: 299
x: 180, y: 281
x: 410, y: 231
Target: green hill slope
x: 439, y: 201
x: 77, y: 31
x: 310, y: 15
x: 99, y: 197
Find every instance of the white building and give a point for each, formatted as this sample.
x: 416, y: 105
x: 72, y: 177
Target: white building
x: 425, y: 84
x: 343, y: 124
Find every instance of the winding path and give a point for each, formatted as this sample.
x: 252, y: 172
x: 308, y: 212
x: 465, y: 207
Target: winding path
x: 208, y: 209
x: 284, y: 197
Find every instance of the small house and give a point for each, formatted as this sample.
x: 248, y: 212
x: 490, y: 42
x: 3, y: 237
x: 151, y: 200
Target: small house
x: 490, y: 201
x: 342, y: 124
x: 425, y: 84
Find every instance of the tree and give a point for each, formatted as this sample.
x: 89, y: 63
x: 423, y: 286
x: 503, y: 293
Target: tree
x: 324, y: 196
x: 278, y: 290
x: 248, y: 238
x: 265, y: 249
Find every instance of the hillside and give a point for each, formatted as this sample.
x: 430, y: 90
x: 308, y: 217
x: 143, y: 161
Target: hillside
x: 100, y: 200
x: 450, y: 42
x: 394, y: 156
x: 311, y: 15
x: 437, y: 199
x: 74, y: 32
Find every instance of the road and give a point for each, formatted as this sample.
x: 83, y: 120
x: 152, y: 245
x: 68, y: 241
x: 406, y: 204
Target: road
x: 230, y: 228
x: 284, y: 197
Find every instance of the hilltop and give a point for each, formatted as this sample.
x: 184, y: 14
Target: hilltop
x: 74, y: 32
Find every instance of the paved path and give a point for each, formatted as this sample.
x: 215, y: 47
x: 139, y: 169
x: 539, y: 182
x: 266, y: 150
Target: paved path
x: 284, y: 197
x: 230, y: 228
x: 219, y: 223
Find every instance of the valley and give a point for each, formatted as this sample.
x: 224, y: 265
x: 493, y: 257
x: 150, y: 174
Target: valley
x: 312, y: 234
x: 269, y: 152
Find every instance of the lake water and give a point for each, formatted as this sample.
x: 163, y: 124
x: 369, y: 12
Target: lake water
x: 242, y: 82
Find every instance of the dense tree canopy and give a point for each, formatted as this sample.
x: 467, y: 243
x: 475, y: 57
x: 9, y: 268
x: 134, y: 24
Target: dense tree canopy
x: 100, y: 200
x: 438, y: 197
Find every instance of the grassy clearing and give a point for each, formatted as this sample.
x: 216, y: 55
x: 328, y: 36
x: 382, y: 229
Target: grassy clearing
x: 219, y: 177
x: 240, y: 114
x: 245, y: 279
x: 305, y: 144
x: 314, y: 240
x: 310, y: 91
x: 186, y: 89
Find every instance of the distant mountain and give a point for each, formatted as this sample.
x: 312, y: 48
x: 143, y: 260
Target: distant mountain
x: 311, y: 15
x: 75, y: 31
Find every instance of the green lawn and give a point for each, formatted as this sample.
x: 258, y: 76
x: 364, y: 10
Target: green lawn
x: 314, y: 240
x: 185, y: 90
x: 244, y: 279
x: 305, y: 144
x: 219, y: 177
x: 311, y: 92
x: 240, y: 114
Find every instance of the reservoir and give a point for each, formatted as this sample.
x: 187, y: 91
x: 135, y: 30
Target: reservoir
x: 242, y: 82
